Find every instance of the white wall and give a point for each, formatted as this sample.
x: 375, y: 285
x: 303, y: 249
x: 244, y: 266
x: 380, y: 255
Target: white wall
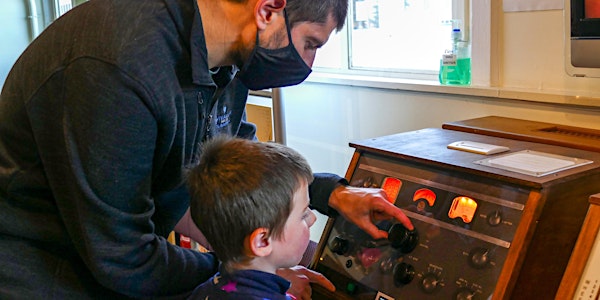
x: 322, y: 119
x: 532, y: 48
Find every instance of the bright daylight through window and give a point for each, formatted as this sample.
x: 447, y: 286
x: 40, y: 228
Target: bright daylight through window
x: 397, y: 38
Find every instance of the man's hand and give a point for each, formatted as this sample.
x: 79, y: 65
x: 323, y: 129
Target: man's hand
x: 365, y: 206
x: 301, y: 278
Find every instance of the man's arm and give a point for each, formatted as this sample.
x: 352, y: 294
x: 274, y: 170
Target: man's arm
x: 321, y: 189
x: 98, y: 146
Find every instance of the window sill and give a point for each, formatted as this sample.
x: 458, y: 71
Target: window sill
x: 428, y: 86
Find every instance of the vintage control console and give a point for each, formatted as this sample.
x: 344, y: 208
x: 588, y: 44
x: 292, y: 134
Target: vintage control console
x: 480, y: 232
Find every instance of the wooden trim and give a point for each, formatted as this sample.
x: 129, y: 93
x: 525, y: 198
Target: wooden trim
x: 514, y: 259
x: 352, y: 165
x: 581, y: 252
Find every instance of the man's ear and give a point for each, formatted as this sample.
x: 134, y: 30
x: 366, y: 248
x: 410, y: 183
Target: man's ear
x: 260, y: 242
x: 265, y: 9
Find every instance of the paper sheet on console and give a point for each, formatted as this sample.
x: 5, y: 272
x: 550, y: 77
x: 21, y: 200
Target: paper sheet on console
x: 533, y: 163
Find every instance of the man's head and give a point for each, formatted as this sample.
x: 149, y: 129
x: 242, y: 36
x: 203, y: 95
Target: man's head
x: 243, y: 193
x: 275, y: 61
x: 317, y: 11
x: 312, y: 21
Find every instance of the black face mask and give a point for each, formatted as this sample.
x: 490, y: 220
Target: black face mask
x: 271, y: 68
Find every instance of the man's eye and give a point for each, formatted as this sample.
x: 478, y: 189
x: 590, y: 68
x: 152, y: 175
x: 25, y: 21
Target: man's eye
x: 312, y: 46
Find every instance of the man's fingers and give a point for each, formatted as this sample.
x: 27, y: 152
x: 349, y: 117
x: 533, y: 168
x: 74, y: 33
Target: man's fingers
x: 396, y: 213
x: 374, y: 232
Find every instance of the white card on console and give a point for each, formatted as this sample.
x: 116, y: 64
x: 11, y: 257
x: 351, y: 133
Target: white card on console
x: 476, y: 147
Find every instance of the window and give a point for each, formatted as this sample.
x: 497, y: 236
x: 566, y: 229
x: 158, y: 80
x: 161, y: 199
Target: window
x: 62, y: 6
x: 43, y: 12
x: 394, y: 38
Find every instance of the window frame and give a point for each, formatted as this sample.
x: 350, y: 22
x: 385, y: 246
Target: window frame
x: 478, y: 19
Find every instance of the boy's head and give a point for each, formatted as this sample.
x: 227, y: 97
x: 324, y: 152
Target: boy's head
x: 250, y: 199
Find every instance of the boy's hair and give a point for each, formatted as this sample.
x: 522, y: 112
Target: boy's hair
x: 317, y: 11
x: 241, y: 185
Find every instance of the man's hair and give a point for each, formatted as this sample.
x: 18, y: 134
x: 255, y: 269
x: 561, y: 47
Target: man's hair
x: 317, y: 11
x: 241, y: 185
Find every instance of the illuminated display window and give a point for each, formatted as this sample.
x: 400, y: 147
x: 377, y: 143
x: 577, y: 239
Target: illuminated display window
x: 464, y: 208
x: 425, y: 194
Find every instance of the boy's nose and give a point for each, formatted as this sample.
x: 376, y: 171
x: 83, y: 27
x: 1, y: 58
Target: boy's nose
x: 312, y: 219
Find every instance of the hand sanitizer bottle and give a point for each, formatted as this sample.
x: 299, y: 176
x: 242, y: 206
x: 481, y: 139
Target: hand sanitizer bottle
x: 455, y: 64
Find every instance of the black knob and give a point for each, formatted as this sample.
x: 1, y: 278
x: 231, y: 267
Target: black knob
x: 430, y: 283
x: 339, y: 245
x: 403, y: 274
x: 479, y: 258
x: 495, y: 218
x: 402, y: 238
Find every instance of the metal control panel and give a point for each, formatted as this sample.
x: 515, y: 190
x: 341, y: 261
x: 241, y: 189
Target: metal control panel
x: 473, y: 224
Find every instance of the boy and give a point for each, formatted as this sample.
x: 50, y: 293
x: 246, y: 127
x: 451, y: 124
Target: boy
x: 251, y: 201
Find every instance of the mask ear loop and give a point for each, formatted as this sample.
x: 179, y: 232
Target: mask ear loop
x: 256, y: 44
x: 288, y: 28
x: 289, y: 34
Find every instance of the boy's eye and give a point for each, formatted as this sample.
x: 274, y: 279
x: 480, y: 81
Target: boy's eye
x: 306, y: 214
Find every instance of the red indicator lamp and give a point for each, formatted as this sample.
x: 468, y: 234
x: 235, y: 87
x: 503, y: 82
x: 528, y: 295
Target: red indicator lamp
x: 392, y: 187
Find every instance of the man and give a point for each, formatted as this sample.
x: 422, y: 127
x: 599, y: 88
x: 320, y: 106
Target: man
x: 101, y: 117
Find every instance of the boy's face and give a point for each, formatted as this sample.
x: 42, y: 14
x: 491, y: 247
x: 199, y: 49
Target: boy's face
x: 288, y: 250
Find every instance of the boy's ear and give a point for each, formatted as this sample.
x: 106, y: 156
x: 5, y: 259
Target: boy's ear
x: 260, y: 242
x: 265, y: 9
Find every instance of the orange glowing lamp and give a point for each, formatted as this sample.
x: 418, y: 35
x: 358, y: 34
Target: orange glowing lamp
x: 392, y: 187
x: 464, y: 208
x: 426, y: 194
